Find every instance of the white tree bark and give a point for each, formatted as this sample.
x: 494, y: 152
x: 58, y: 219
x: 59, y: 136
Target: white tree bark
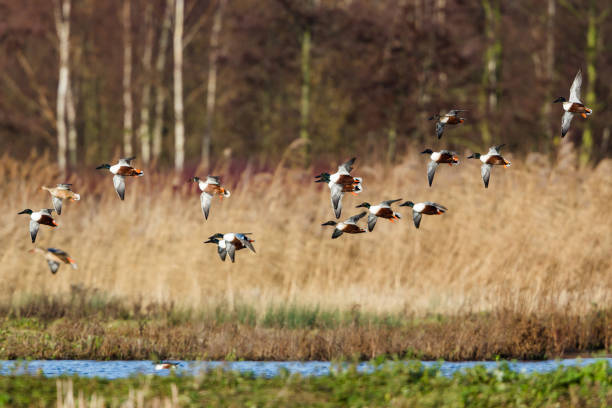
x: 213, y: 57
x: 72, y: 133
x: 128, y: 109
x: 160, y: 95
x: 62, y: 25
x: 144, y: 130
x: 179, y: 126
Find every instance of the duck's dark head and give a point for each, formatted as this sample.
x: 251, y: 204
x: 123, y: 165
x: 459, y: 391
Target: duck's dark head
x: 427, y: 151
x: 407, y: 204
x: 217, y: 236
x: 212, y: 241
x: 26, y: 211
x: 559, y: 99
x: 474, y: 156
x: 366, y: 205
x: 322, y: 178
x: 103, y: 166
x: 329, y: 223
x: 435, y: 116
x: 194, y: 179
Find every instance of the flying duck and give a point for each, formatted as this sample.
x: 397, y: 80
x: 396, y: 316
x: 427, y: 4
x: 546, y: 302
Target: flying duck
x: 55, y: 257
x: 60, y: 193
x: 427, y: 207
x: 120, y: 171
x: 493, y: 157
x: 39, y: 217
x: 230, y: 243
x: 443, y: 156
x: 209, y: 188
x: 573, y: 105
x: 349, y: 226
x: 382, y: 210
x: 339, y: 183
x: 450, y: 118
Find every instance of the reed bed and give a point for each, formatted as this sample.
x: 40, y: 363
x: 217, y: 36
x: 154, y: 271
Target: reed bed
x: 536, y: 242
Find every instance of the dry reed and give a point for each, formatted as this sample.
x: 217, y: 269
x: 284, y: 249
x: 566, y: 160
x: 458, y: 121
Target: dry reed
x: 537, y: 241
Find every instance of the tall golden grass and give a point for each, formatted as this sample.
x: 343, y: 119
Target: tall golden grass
x: 539, y: 239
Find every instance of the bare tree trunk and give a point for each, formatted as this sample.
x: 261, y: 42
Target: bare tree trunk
x: 72, y: 133
x: 179, y: 126
x: 488, y: 95
x: 128, y: 109
x: 590, y: 98
x: 62, y: 24
x: 549, y: 70
x: 144, y: 130
x: 160, y: 95
x: 213, y: 57
x: 305, y: 97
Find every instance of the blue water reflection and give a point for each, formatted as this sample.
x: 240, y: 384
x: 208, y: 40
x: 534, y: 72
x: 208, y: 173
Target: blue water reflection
x: 122, y: 369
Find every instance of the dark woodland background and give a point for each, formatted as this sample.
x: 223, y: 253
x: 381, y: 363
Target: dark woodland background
x: 320, y: 79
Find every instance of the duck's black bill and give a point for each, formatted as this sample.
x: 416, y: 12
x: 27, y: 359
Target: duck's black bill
x: 471, y: 156
x: 210, y: 241
x: 328, y: 223
x: 23, y: 212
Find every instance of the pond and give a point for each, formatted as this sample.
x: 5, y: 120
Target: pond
x: 121, y: 369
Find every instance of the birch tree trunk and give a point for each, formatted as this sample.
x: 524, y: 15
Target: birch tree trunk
x: 160, y: 94
x: 144, y: 130
x: 179, y: 126
x: 549, y: 69
x: 305, y: 96
x: 128, y: 109
x: 62, y: 24
x: 213, y: 58
x: 72, y: 133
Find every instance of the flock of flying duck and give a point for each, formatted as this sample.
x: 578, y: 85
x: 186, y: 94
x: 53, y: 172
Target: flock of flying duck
x: 339, y: 183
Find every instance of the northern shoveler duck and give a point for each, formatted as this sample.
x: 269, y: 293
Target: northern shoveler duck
x: 349, y: 226
x: 60, y: 193
x: 209, y: 188
x: 493, y: 157
x: 443, y: 156
x: 339, y: 183
x: 230, y: 243
x: 43, y: 217
x: 382, y: 210
x: 427, y: 207
x: 166, y: 365
x: 120, y: 170
x: 55, y: 257
x: 450, y: 118
x: 573, y: 105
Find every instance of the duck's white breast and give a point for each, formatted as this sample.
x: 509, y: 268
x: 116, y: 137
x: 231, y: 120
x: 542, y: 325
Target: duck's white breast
x: 435, y: 156
x: 35, y: 216
x: 418, y: 207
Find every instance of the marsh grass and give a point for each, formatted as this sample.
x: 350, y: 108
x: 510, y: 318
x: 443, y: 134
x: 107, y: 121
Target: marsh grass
x: 537, y: 241
x: 396, y: 385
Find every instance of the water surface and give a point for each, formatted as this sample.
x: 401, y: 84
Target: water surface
x: 121, y: 369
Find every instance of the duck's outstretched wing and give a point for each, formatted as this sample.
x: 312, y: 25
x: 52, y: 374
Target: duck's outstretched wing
x: 64, y: 186
x: 222, y: 253
x: 431, y: 171
x: 245, y: 241
x: 119, y: 182
x: 455, y: 112
x: 57, y: 204
x: 496, y: 149
x: 205, y: 200
x: 439, y: 129
x: 231, y: 251
x: 565, y: 122
x: 436, y: 205
x: 416, y: 217
x: 355, y: 218
x: 485, y: 172
x: 213, y: 180
x: 336, y: 199
x: 54, y: 266
x: 126, y: 160
x: 575, y: 89
x: 347, y: 166
x: 336, y: 233
x: 389, y: 202
x: 34, y: 226
x: 372, y: 221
